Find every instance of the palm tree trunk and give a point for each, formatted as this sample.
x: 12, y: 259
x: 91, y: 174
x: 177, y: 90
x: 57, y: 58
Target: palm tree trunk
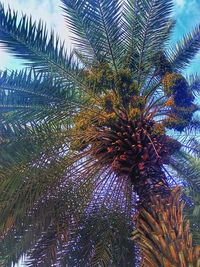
x: 163, y: 236
x: 149, y: 182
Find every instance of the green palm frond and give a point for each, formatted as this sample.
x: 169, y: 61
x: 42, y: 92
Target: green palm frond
x: 194, y: 82
x: 134, y: 15
x: 194, y: 126
x: 96, y: 25
x: 60, y: 217
x: 146, y: 31
x: 76, y: 16
x: 50, y: 219
x: 29, y: 185
x: 104, y: 240
x: 13, y: 248
x: 185, y: 49
x: 32, y: 42
x: 44, y: 206
x: 36, y: 86
x: 188, y: 169
x: 28, y: 94
x: 23, y: 139
x: 27, y: 154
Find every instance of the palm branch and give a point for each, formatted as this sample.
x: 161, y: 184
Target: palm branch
x: 84, y: 136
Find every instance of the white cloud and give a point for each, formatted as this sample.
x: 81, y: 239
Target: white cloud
x: 47, y: 10
x: 180, y: 3
x: 5, y: 58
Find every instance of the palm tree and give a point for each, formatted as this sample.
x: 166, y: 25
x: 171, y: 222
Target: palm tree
x: 88, y: 138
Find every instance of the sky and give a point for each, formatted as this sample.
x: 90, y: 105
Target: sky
x: 187, y: 14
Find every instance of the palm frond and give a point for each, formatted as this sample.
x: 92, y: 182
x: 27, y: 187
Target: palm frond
x: 96, y: 24
x: 35, y: 95
x: 185, y: 50
x: 26, y: 187
x: 102, y: 239
x: 27, y: 153
x: 76, y: 14
x: 44, y: 87
x: 194, y: 127
x: 187, y: 168
x: 194, y: 82
x: 48, y: 224
x: 147, y: 27
x: 32, y: 42
x: 18, y: 140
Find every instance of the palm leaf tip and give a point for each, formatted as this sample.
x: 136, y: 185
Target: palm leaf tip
x: 186, y: 49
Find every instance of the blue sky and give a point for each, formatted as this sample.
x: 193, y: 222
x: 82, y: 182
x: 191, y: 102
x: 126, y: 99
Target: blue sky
x: 187, y: 14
